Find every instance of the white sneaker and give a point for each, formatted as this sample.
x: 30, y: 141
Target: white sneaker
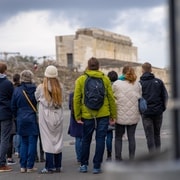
x: 23, y: 170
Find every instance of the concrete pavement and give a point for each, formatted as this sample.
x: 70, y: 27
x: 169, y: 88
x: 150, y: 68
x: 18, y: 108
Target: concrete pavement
x: 70, y: 166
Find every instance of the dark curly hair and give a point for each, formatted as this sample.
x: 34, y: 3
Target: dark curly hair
x: 113, y: 76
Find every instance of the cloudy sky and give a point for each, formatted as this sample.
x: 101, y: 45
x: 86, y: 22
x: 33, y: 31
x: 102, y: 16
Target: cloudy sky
x: 30, y: 26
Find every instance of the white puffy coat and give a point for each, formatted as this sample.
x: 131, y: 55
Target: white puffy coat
x: 127, y: 95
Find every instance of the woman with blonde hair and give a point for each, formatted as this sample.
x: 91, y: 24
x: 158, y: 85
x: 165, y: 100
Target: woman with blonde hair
x: 127, y: 93
x: 49, y: 97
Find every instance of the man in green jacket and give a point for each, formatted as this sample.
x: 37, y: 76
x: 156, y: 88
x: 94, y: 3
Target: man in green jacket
x: 97, y: 120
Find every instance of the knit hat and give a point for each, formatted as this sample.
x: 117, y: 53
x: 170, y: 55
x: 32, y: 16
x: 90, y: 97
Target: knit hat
x: 26, y: 76
x: 51, y: 72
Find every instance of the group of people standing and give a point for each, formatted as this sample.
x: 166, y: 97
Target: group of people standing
x: 38, y: 110
x: 120, y: 109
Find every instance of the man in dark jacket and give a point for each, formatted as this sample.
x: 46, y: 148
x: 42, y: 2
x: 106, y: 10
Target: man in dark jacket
x: 6, y: 90
x: 155, y: 93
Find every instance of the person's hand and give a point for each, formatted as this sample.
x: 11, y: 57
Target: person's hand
x: 112, y: 121
x: 79, y: 121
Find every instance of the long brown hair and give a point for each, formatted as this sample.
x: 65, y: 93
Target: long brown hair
x: 55, y: 94
x: 129, y: 73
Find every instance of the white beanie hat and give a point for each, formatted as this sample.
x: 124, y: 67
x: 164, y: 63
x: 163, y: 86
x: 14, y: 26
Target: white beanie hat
x: 51, y: 72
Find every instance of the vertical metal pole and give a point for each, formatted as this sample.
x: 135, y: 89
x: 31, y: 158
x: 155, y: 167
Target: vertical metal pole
x: 174, y: 7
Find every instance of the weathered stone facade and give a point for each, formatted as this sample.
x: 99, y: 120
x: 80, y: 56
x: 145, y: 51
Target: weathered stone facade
x: 112, y: 50
x: 75, y: 50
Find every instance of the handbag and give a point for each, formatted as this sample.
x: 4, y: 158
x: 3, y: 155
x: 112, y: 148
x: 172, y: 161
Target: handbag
x: 142, y: 104
x: 29, y: 101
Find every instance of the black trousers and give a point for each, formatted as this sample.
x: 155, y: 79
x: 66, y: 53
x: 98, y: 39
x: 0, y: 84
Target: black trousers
x: 119, y: 131
x: 152, y: 128
x: 10, y: 147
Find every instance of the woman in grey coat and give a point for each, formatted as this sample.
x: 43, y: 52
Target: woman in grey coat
x: 49, y: 96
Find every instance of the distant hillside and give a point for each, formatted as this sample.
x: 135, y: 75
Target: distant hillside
x: 66, y: 76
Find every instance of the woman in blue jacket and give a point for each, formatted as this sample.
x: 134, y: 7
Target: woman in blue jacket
x: 27, y: 126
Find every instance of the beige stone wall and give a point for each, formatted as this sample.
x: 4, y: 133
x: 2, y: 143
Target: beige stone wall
x: 64, y: 45
x: 114, y: 48
x: 83, y: 50
x: 95, y: 42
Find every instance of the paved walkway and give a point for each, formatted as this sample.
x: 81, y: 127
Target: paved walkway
x: 70, y: 166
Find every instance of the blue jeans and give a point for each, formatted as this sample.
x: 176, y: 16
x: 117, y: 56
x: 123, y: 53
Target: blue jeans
x: 119, y: 132
x: 28, y: 151
x: 101, y: 127
x: 5, y: 131
x: 109, y: 138
x: 78, y: 148
x: 152, y: 128
x: 16, y: 143
x: 53, y: 161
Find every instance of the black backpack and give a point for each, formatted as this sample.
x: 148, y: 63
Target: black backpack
x: 94, y: 93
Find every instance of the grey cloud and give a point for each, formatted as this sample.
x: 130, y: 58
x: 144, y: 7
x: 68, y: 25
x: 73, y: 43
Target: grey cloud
x: 11, y: 7
x: 38, y: 4
x: 100, y: 18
